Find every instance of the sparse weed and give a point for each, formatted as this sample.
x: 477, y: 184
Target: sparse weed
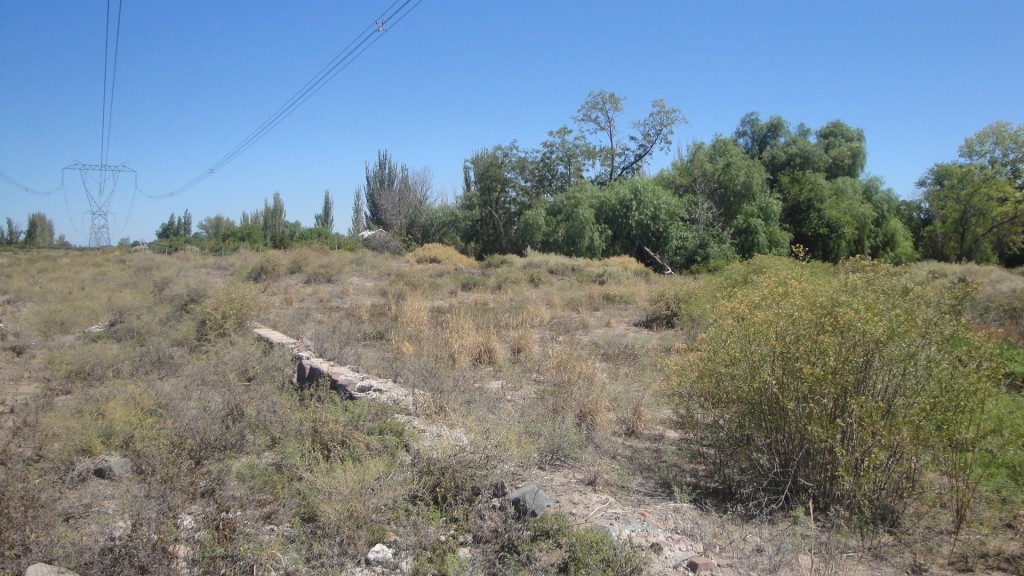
x: 321, y: 273
x: 577, y: 387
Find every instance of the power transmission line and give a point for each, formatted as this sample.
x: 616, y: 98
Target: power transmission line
x: 10, y: 180
x: 99, y: 203
x: 368, y: 37
x: 108, y: 112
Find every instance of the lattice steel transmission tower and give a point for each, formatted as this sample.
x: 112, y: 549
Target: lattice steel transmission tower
x: 99, y: 202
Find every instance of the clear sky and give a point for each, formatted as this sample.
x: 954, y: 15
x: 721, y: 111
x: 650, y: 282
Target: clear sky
x: 194, y: 78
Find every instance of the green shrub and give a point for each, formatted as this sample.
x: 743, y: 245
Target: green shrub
x: 685, y: 305
x: 470, y: 282
x: 552, y: 540
x: 227, y: 311
x: 666, y: 308
x: 836, y: 389
x: 269, y: 267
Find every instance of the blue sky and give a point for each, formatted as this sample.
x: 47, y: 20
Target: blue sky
x: 194, y: 78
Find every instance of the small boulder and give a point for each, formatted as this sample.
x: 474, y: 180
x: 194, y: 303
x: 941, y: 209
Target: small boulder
x: 701, y: 565
x: 529, y: 501
x: 380, y: 555
x: 112, y: 468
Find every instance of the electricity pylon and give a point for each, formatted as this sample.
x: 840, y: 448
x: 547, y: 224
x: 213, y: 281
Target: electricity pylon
x: 99, y: 202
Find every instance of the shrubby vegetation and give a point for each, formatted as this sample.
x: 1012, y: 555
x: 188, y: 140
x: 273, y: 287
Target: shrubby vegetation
x: 840, y: 389
x: 257, y: 229
x: 866, y: 394
x: 883, y: 398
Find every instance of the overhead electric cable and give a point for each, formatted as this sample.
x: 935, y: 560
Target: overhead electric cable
x: 108, y: 109
x: 106, y: 61
x: 342, y: 60
x: 10, y: 180
x: 113, y: 84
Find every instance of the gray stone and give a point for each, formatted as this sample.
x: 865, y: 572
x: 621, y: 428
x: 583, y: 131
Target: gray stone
x: 112, y: 468
x: 611, y: 531
x: 307, y: 373
x: 40, y: 569
x: 380, y: 555
x: 529, y: 501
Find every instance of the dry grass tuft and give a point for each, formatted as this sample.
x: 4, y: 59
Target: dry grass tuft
x: 441, y: 254
x: 578, y: 387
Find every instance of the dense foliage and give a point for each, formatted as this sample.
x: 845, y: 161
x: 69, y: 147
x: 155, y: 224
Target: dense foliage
x: 584, y: 193
x: 837, y: 389
x: 972, y: 210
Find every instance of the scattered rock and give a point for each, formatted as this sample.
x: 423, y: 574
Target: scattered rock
x: 105, y: 467
x: 179, y: 552
x: 186, y: 523
x: 380, y: 555
x: 529, y: 501
x: 120, y: 528
x: 40, y: 569
x: 701, y: 565
x: 112, y: 468
x: 97, y: 328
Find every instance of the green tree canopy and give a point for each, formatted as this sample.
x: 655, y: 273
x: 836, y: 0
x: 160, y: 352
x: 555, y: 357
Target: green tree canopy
x: 736, y: 186
x: 175, y: 227
x: 358, y: 214
x: 325, y: 218
x: 39, y: 233
x: 973, y: 209
x: 622, y: 156
x: 216, y: 226
x: 394, y: 196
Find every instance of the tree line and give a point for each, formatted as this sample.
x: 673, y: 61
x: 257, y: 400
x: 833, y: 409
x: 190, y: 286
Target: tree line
x: 39, y: 233
x: 262, y: 227
x: 770, y: 187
